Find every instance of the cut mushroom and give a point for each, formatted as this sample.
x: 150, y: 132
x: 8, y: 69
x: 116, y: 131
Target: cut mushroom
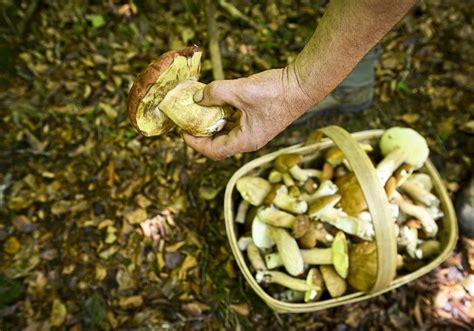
x: 162, y: 96
x: 314, y: 278
x: 316, y: 233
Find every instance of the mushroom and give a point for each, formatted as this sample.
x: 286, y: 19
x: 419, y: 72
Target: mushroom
x: 428, y: 249
x: 352, y: 198
x: 314, y: 278
x: 310, y: 286
x: 324, y: 210
x: 326, y: 188
x: 301, y: 226
x: 275, y: 176
x: 316, y: 233
x: 408, y: 238
x: 363, y: 266
x: 430, y: 228
x: 288, y: 250
x: 242, y: 211
x: 286, y: 202
x: 336, y: 255
x: 276, y: 217
x: 417, y: 192
x: 423, y: 180
x: 162, y: 96
x: 401, y: 145
x: 260, y: 234
x: 253, y: 189
x: 335, y: 284
x: 289, y: 163
x: 290, y: 296
x: 255, y: 258
x: 243, y: 242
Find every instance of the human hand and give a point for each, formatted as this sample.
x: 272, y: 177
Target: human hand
x: 268, y: 102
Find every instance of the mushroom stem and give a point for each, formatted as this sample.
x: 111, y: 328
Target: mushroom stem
x: 290, y: 296
x: 429, y: 225
x: 283, y: 279
x: 418, y: 193
x: 390, y: 163
x: 288, y: 250
x: 349, y: 224
x: 242, y: 211
x: 314, y: 256
x: 275, y: 217
x: 408, y: 238
x: 428, y: 249
x: 243, y: 242
x: 286, y: 202
x: 255, y: 258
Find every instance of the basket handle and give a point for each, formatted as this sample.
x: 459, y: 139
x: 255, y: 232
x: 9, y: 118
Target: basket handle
x: 377, y: 203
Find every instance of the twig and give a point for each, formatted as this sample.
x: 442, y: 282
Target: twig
x: 216, y: 59
x: 237, y: 14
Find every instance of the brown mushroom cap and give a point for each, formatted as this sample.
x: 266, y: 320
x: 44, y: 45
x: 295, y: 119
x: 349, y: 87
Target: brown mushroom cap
x: 165, y: 72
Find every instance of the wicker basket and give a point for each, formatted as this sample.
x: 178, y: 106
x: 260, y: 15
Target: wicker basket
x: 377, y: 204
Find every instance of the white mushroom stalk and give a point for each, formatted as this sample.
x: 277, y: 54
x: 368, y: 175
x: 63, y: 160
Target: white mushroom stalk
x: 430, y: 228
x: 288, y: 250
x: 290, y: 296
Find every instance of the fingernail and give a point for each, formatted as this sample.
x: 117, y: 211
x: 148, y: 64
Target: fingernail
x: 198, y: 96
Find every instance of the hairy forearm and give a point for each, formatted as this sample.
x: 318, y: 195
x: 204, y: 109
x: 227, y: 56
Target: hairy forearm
x: 346, y: 32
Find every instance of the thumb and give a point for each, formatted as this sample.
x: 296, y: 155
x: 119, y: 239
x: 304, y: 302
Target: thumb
x: 217, y: 93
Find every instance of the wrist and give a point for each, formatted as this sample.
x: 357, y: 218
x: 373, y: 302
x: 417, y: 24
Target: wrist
x: 299, y: 95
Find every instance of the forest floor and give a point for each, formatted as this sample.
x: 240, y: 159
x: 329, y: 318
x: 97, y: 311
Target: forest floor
x: 78, y: 185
